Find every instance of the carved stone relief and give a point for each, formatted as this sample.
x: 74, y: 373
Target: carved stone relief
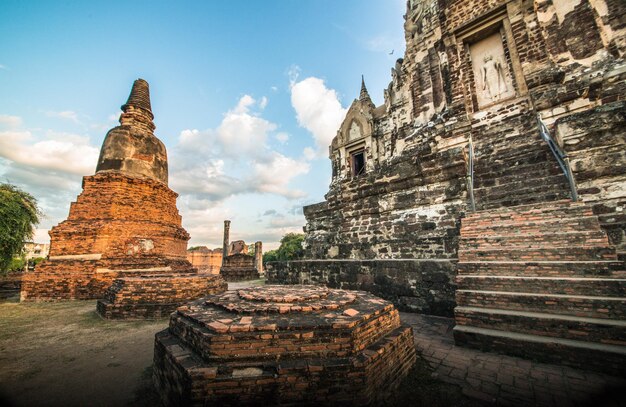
x: 419, y: 20
x: 491, y: 73
x: 354, y: 132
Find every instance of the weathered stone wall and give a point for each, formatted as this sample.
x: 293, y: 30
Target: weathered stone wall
x: 425, y: 286
x: 479, y: 72
x: 239, y: 267
x: 206, y: 260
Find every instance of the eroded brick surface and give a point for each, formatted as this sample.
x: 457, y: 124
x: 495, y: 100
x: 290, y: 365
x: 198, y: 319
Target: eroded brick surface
x: 309, y: 344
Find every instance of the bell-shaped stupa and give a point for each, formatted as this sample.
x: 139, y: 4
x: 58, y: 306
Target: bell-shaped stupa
x: 123, y: 227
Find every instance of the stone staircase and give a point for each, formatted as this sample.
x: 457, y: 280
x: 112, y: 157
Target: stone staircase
x: 542, y: 281
x: 518, y: 169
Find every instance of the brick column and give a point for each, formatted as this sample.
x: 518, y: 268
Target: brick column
x: 258, y: 257
x: 226, y: 240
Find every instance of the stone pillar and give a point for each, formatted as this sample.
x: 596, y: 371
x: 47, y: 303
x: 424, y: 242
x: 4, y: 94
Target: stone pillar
x: 226, y: 240
x: 258, y: 257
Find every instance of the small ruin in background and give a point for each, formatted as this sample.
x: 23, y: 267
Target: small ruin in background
x: 205, y: 259
x: 237, y: 264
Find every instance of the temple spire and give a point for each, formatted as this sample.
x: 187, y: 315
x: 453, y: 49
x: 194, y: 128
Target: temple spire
x: 364, y: 96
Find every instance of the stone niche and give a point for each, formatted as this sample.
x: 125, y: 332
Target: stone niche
x: 492, y: 78
x: 272, y: 345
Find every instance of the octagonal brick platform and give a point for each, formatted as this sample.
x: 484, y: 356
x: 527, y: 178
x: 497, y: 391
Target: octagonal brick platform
x: 283, y: 345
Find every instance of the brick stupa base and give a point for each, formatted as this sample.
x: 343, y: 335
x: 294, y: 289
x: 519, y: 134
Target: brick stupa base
x: 282, y: 345
x: 155, y: 296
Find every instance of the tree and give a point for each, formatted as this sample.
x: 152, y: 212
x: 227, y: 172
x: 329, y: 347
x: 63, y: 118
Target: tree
x: 290, y: 249
x: 18, y: 216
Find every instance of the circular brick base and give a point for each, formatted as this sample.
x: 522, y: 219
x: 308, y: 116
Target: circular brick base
x: 282, y: 345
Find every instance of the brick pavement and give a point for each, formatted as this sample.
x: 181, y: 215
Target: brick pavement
x: 508, y: 380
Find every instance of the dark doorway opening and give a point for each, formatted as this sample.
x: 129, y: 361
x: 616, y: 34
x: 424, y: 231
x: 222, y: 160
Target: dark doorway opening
x: 358, y: 163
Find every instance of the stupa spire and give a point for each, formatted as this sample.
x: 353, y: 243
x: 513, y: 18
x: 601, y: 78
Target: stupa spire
x: 139, y: 97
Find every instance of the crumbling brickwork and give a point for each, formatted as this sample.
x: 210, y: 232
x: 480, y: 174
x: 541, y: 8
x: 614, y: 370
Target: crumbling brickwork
x: 500, y: 114
x: 476, y: 73
x: 155, y: 296
x: 281, y: 346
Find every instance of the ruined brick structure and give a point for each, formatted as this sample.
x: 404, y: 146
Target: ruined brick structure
x: 205, y: 259
x: 274, y: 345
x: 488, y: 94
x: 124, y: 224
x: 237, y: 264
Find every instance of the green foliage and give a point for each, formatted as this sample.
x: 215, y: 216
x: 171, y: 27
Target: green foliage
x: 290, y: 249
x: 18, y: 216
x: 17, y: 264
x: 270, y: 255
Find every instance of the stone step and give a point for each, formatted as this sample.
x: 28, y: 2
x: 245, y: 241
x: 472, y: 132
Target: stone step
x: 575, y: 305
x: 533, y: 195
x: 513, y: 174
x: 580, y: 354
x: 565, y: 253
x: 530, y: 239
x: 519, y: 153
x: 528, y: 196
x: 559, y: 208
x: 485, y: 164
x: 602, y: 268
x: 527, y: 191
x: 591, y: 286
x: 607, y: 331
x: 540, y: 225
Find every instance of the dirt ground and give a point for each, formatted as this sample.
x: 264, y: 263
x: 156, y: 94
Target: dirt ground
x: 64, y: 354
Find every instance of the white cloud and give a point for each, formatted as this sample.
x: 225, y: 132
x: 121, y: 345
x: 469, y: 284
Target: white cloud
x: 275, y: 175
x: 6, y: 68
x: 234, y: 159
x: 11, y: 122
x: 309, y: 154
x: 282, y: 137
x: 317, y: 110
x: 263, y: 102
x: 244, y: 104
x: 241, y: 132
x: 293, y: 73
x: 65, y: 114
x: 72, y: 155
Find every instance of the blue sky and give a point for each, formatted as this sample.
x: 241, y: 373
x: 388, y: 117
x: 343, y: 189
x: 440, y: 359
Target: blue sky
x: 246, y: 96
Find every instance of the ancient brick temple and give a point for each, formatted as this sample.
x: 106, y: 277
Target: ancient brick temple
x: 491, y: 184
x: 273, y: 345
x: 124, y: 224
x: 237, y: 264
